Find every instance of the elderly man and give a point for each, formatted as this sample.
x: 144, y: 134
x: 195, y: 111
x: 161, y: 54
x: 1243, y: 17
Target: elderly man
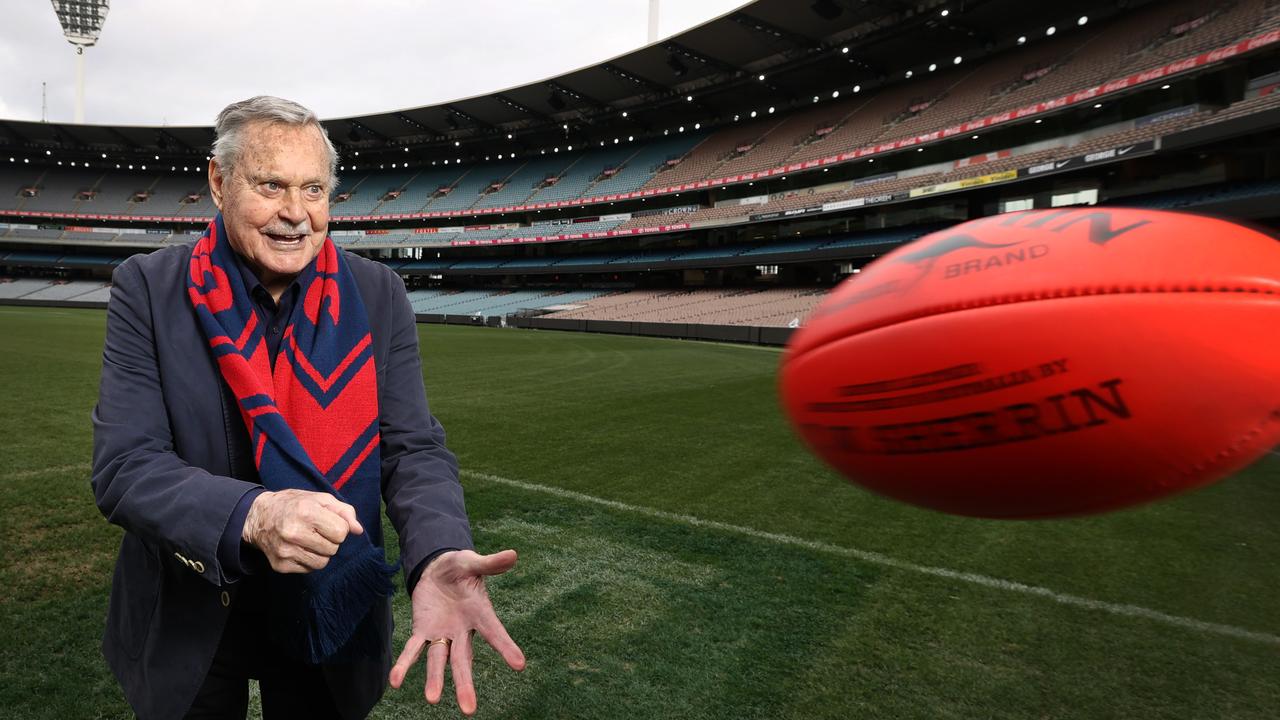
x: 261, y: 395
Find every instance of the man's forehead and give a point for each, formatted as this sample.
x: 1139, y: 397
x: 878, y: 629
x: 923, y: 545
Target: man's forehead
x: 276, y: 147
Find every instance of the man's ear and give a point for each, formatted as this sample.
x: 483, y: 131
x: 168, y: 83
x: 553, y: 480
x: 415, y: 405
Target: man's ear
x: 215, y: 183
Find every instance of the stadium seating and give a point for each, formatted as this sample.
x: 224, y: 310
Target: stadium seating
x: 53, y: 290
x: 778, y: 307
x: 1075, y: 58
x: 487, y: 303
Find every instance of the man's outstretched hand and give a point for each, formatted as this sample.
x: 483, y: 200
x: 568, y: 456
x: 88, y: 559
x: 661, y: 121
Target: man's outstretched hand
x: 450, y: 602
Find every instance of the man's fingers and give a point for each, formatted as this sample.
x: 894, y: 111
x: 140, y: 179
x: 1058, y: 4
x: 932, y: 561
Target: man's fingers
x: 299, y: 561
x: 330, y: 525
x: 317, y: 543
x: 460, y: 664
x: 407, y: 658
x: 346, y: 512
x: 496, y: 635
x: 494, y: 564
x: 437, y: 656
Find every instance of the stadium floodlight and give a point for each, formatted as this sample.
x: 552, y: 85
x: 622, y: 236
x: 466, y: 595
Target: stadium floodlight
x: 81, y: 22
x: 1083, y: 20
x: 945, y: 12
x: 1022, y: 39
x: 1052, y: 29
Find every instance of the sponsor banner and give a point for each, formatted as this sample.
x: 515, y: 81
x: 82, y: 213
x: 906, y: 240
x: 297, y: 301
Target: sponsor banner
x: 843, y: 204
x: 426, y: 231
x: 1116, y: 153
x: 667, y: 211
x: 1166, y: 115
x: 979, y: 159
x: 615, y: 216
x: 887, y: 197
x: 451, y: 229
x: 1134, y: 150
x: 787, y: 213
x: 965, y: 183
x: 377, y: 231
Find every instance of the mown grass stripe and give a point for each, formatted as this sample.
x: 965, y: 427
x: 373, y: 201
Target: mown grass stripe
x: 52, y: 470
x: 876, y: 558
x: 890, y: 562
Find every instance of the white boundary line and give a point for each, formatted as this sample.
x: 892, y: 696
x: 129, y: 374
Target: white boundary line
x: 876, y: 558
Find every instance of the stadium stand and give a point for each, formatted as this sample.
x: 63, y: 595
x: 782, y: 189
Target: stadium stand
x: 1149, y: 36
x: 775, y: 307
x: 1049, y: 69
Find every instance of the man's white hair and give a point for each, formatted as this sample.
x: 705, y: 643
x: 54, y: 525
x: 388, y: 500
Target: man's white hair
x: 228, y: 130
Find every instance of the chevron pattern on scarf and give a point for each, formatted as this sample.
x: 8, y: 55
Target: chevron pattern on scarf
x: 313, y: 423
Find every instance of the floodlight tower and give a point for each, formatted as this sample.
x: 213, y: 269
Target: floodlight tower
x: 81, y: 22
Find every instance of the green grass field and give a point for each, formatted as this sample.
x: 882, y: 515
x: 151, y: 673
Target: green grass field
x: 683, y: 556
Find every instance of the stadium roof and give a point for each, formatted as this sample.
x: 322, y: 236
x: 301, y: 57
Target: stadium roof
x: 706, y: 75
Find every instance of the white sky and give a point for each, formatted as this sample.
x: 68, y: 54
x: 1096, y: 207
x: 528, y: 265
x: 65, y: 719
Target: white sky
x: 178, y: 62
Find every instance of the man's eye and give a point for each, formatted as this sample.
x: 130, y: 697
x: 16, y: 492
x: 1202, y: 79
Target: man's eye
x: 315, y: 190
x: 271, y: 186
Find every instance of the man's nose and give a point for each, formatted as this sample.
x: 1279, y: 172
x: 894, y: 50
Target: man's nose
x: 292, y: 210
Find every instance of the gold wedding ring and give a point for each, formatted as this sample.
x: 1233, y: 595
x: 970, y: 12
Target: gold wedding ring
x: 446, y: 642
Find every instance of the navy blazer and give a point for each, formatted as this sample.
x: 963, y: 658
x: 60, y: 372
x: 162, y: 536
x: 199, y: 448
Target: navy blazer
x: 172, y: 458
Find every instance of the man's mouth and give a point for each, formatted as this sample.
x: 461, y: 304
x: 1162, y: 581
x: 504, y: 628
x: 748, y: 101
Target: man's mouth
x: 293, y: 239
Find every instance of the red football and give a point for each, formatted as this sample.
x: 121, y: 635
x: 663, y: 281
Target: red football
x: 1046, y: 363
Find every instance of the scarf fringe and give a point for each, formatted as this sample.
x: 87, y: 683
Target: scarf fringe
x: 333, y: 606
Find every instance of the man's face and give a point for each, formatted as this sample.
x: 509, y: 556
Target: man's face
x: 275, y: 202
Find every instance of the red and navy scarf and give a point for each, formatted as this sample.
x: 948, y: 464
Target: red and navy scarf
x: 313, y: 423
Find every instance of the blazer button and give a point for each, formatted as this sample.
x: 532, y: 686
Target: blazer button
x: 226, y: 599
x: 198, y: 567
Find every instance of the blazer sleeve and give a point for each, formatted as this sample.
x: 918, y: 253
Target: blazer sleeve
x: 419, y: 474
x: 139, y: 481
